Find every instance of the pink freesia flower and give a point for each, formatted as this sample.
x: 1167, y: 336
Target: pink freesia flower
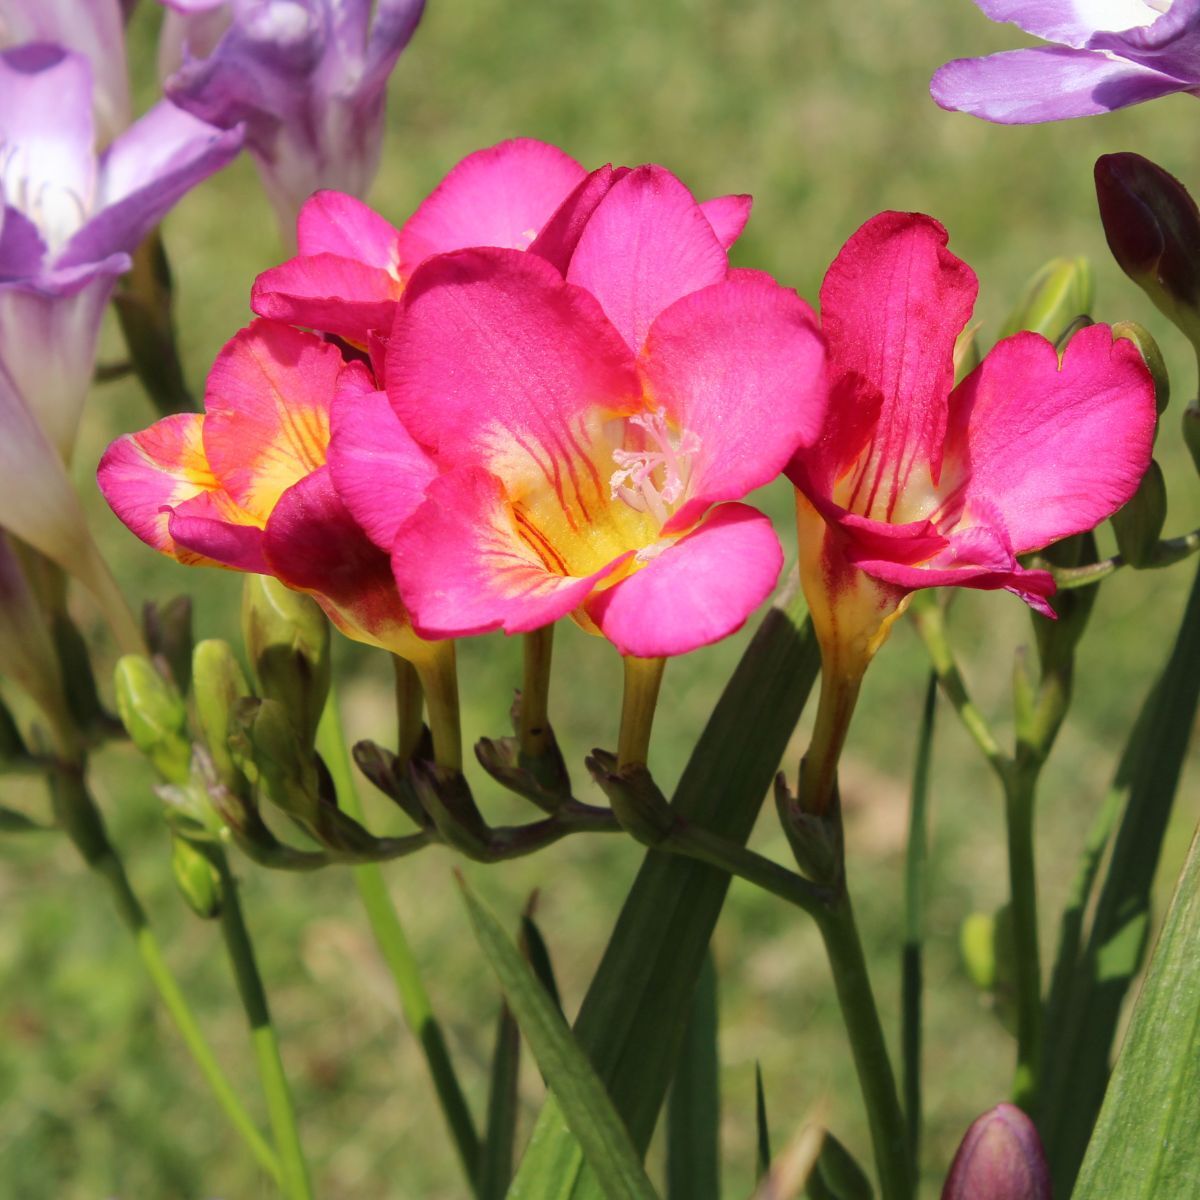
x: 917, y: 483
x: 520, y: 195
x: 593, y: 434
x: 246, y: 484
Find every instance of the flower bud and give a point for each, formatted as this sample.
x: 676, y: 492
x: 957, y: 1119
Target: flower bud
x: 1152, y: 356
x: 196, y: 878
x: 1153, y: 229
x: 1054, y: 297
x: 287, y: 642
x: 168, y: 629
x: 217, y: 685
x: 1000, y: 1158
x: 267, y: 749
x: 154, y: 716
x: 637, y: 802
x: 1139, y: 522
x: 1191, y: 431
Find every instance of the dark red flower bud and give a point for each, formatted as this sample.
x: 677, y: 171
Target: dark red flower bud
x: 1000, y: 1159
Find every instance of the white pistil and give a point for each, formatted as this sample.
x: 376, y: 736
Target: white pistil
x: 634, y: 482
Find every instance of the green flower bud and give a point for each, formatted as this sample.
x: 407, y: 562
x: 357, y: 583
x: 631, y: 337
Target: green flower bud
x: 1191, y: 431
x: 1054, y: 297
x: 287, y: 642
x: 168, y: 629
x: 154, y: 716
x: 267, y: 749
x: 218, y: 684
x: 1138, y: 523
x: 1141, y: 338
x: 977, y: 945
x: 1153, y: 230
x: 197, y: 878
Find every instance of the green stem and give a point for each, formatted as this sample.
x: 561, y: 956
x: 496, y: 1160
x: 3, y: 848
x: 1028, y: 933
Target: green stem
x: 643, y: 676
x: 280, y: 1109
x: 889, y: 1136
x: 77, y: 814
x: 1019, y: 792
x: 439, y: 680
x: 534, y: 731
x: 393, y: 944
x: 410, y: 700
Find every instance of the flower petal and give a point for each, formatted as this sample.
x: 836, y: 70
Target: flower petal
x: 1071, y: 23
x: 1055, y: 450
x: 268, y: 399
x: 494, y: 357
x: 728, y: 216
x: 211, y: 530
x: 463, y: 567
x: 1047, y: 83
x: 380, y: 473
x: 646, y: 245
x: 741, y: 366
x: 336, y: 223
x: 560, y: 235
x: 501, y: 196
x: 697, y: 591
x: 892, y: 304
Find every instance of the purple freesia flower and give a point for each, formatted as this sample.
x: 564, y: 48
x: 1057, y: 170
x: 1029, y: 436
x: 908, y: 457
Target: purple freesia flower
x: 307, y: 77
x: 70, y: 219
x: 1107, y: 54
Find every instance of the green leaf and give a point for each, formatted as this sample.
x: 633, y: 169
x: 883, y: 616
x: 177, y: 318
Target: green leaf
x: 585, y: 1104
x: 12, y: 821
x: 632, y: 1018
x: 1147, y: 1140
x: 533, y: 946
x: 496, y: 1153
x: 694, y: 1104
x: 762, y: 1141
x: 1090, y: 983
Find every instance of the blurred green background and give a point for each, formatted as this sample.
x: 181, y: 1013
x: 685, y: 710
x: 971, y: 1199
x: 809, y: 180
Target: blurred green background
x: 822, y: 112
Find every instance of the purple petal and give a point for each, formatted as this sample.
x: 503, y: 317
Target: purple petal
x: 21, y: 247
x: 1069, y: 24
x: 143, y: 174
x: 1171, y: 44
x: 1046, y: 83
x: 395, y: 23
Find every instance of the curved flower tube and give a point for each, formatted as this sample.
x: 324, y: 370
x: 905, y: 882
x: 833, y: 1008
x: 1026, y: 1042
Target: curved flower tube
x: 522, y: 194
x: 1106, y: 54
x: 580, y: 475
x: 308, y: 78
x: 917, y: 483
x: 71, y: 220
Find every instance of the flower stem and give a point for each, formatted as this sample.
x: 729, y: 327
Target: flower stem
x: 534, y: 731
x: 889, y: 1136
x: 438, y: 674
x: 77, y: 814
x: 1019, y: 792
x: 282, y: 1113
x: 393, y: 944
x: 410, y: 701
x: 643, y: 676
x: 818, y: 769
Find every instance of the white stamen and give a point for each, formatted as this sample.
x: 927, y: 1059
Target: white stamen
x: 634, y: 481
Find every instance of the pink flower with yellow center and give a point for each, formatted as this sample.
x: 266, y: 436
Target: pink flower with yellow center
x: 246, y: 484
x: 594, y: 433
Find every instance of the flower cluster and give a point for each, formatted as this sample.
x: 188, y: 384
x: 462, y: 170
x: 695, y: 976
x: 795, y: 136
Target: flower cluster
x: 547, y: 394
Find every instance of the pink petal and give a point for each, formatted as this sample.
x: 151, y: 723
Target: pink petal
x: 463, y: 568
x: 330, y: 293
x: 741, y: 366
x: 216, y: 532
x: 1055, y: 451
x: 267, y: 401
x: 496, y: 358
x: 728, y: 216
x: 698, y: 590
x: 144, y: 475
x: 560, y: 235
x: 312, y: 544
x: 336, y: 223
x: 892, y: 304
x: 501, y: 196
x: 380, y: 473
x: 646, y: 245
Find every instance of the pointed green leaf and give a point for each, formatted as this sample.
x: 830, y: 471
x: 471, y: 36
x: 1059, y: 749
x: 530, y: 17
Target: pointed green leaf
x: 1089, y: 988
x: 585, y: 1104
x: 12, y: 821
x: 632, y: 1018
x: 533, y: 946
x: 762, y: 1141
x: 1147, y: 1141
x: 694, y: 1105
x: 496, y: 1153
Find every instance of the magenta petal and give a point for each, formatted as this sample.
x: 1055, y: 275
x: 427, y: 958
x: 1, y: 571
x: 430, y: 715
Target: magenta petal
x: 328, y: 292
x: 336, y: 223
x: 728, y: 216
x: 1055, y: 451
x: 646, y: 245
x: 560, y: 235
x: 494, y: 350
x: 1047, y: 83
x: 380, y: 473
x: 892, y: 304
x: 202, y: 526
x: 698, y: 590
x: 741, y: 366
x: 462, y: 568
x: 501, y: 196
